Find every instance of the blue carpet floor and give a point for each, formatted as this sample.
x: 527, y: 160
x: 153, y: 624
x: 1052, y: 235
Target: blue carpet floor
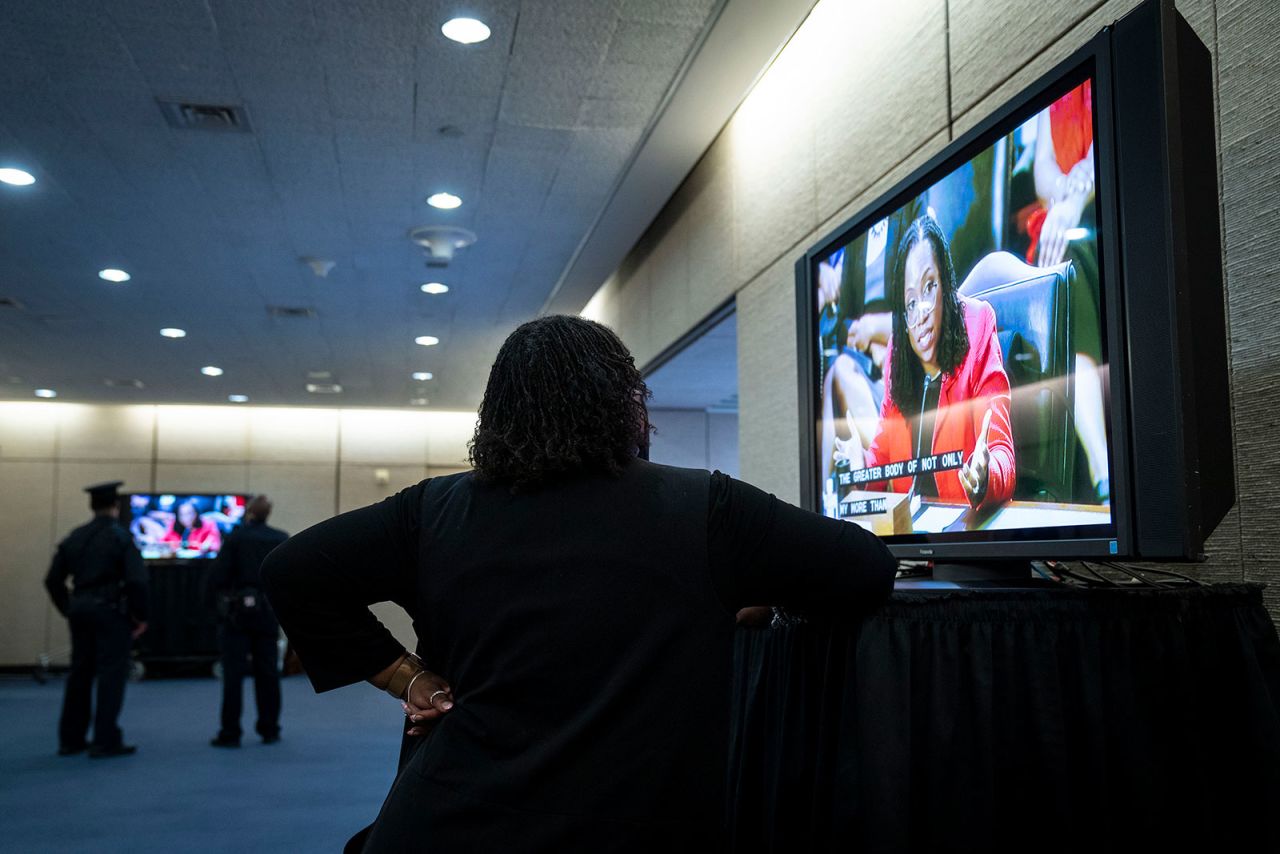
x: 323, y: 781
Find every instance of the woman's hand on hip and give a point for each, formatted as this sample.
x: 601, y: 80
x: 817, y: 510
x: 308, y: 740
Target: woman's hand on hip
x: 430, y: 698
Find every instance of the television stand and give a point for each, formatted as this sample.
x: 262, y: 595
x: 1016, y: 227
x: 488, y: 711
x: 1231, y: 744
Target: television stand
x: 1012, y: 572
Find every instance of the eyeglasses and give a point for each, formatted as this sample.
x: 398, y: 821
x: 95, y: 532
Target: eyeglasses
x: 918, y: 307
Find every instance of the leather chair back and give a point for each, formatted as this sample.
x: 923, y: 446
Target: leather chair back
x: 1033, y: 323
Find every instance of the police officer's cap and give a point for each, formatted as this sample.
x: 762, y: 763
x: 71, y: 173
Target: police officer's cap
x: 108, y: 491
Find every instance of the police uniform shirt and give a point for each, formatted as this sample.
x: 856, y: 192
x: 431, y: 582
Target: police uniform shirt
x: 99, y: 556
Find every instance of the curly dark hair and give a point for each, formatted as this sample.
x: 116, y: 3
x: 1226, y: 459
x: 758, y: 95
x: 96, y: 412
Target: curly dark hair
x: 564, y: 396
x: 906, y: 377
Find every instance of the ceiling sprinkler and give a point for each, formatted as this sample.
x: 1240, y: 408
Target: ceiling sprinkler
x: 439, y: 242
x: 319, y: 266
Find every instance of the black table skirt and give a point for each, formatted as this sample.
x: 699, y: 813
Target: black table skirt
x: 1046, y: 720
x: 183, y: 624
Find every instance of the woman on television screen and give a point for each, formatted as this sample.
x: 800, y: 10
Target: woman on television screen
x: 946, y: 385
x: 189, y: 531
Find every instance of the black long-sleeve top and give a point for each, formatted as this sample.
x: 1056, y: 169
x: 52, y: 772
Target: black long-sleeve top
x: 99, y: 556
x: 586, y: 631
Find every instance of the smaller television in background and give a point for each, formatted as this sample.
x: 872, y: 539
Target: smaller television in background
x: 181, y: 525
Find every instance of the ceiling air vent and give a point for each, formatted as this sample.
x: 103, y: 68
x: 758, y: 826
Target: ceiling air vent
x: 214, y: 117
x: 324, y: 388
x: 114, y: 383
x: 300, y: 311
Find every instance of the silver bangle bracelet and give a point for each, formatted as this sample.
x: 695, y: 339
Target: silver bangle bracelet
x: 408, y: 689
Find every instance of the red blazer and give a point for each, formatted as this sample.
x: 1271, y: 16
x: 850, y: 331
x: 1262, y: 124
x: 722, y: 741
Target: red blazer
x: 206, y: 534
x: 967, y: 392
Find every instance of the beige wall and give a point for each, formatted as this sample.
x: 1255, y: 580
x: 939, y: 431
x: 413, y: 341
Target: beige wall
x: 867, y: 92
x: 312, y: 462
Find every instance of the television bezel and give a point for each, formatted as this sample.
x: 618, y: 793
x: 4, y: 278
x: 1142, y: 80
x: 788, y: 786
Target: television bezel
x: 1091, y: 60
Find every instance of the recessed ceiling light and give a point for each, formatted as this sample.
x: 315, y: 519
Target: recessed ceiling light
x: 211, y: 371
x: 444, y: 201
x: 17, y: 177
x: 46, y: 392
x: 426, y: 340
x: 238, y: 398
x: 113, y: 275
x: 173, y: 332
x: 465, y: 30
x: 423, y: 376
x: 419, y: 401
x: 435, y: 288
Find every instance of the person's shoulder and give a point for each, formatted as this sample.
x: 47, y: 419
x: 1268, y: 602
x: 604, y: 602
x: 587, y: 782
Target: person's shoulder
x: 670, y: 476
x: 647, y: 468
x: 77, y: 533
x: 456, y: 478
x: 442, y: 483
x: 439, y: 487
x: 120, y: 534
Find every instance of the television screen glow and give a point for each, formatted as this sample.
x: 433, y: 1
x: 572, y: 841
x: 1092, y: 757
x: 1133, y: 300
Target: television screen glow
x: 961, y: 348
x: 181, y: 525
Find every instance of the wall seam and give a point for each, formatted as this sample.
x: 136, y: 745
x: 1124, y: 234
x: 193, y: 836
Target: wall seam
x: 1226, y: 284
x: 53, y: 542
x: 337, y: 470
x: 155, y: 445
x: 946, y: 41
x: 706, y: 438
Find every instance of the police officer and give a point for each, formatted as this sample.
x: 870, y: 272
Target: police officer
x: 249, y: 629
x: 107, y: 610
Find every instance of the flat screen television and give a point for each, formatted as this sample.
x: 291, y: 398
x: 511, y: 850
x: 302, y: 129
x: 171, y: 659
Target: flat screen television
x: 1019, y: 351
x: 169, y: 526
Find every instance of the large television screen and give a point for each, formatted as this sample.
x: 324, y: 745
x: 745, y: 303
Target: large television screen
x: 961, y: 353
x: 171, y: 525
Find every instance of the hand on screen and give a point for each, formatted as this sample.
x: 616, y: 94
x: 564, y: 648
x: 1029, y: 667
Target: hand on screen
x: 1062, y: 217
x: 849, y: 450
x: 1079, y: 181
x: 870, y: 330
x: 828, y: 285
x: 973, y: 474
x: 860, y: 335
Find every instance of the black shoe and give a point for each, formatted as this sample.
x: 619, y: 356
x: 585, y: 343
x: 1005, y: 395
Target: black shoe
x: 71, y: 749
x: 271, y: 739
x: 224, y: 741
x: 97, y: 752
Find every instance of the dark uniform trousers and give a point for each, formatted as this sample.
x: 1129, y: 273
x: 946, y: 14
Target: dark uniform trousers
x: 100, y: 643
x: 243, y: 651
x: 250, y: 631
